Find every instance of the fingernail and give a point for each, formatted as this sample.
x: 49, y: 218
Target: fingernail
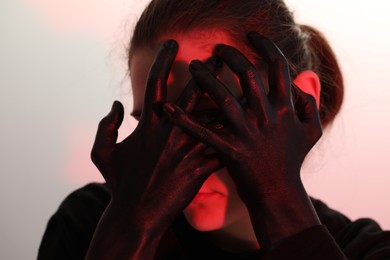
x: 115, y: 105
x: 169, y: 109
x: 195, y: 65
x: 114, y: 108
x: 170, y: 44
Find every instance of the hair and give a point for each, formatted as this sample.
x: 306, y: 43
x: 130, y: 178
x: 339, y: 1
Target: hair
x: 304, y: 47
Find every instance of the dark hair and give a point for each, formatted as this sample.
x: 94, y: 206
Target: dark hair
x: 304, y: 47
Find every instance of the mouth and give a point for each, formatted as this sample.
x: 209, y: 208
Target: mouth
x: 203, y: 196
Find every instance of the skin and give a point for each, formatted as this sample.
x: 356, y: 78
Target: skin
x: 152, y: 174
x: 217, y: 207
x: 158, y: 170
x: 268, y: 137
x: 222, y: 212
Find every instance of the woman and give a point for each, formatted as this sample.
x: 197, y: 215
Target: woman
x: 226, y: 119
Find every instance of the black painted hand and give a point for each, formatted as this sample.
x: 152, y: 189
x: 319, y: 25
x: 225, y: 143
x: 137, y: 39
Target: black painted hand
x: 268, y: 136
x: 157, y: 170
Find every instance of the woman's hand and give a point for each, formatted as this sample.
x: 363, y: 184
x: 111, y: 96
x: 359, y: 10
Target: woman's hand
x: 153, y: 174
x: 267, y: 139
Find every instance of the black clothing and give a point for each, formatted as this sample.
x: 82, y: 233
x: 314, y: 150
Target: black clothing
x: 71, y: 228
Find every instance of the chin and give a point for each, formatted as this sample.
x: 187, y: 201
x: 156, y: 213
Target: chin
x: 204, y: 220
x: 206, y: 216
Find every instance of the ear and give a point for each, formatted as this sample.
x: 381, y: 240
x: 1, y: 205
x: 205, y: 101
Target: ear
x: 309, y: 82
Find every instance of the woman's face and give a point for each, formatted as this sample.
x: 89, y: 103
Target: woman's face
x: 217, y: 204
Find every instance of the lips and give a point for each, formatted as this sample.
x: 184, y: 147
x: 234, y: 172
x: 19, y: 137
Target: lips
x: 204, y: 196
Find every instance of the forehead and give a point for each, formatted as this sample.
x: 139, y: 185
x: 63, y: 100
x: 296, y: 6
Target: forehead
x: 195, y: 45
x: 192, y: 45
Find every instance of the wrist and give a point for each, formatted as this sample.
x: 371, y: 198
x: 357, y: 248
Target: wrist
x: 135, y: 220
x: 119, y: 236
x: 282, y: 215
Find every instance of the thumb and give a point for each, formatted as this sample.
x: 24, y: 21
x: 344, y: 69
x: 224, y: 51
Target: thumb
x: 306, y: 109
x: 107, y: 134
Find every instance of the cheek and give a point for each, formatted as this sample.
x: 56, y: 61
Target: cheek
x: 219, y: 211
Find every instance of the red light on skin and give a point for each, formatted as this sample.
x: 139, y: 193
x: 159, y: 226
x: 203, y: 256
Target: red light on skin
x: 192, y: 46
x: 171, y: 79
x: 204, y: 196
x: 198, y: 45
x: 217, y: 206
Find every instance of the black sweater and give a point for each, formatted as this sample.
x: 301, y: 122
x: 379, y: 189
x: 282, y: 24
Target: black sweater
x: 71, y: 228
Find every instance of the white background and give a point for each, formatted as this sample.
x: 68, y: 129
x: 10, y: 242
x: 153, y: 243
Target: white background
x: 63, y: 62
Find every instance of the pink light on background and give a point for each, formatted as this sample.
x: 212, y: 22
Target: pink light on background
x: 79, y: 168
x: 352, y: 174
x: 80, y: 136
x: 350, y: 159
x: 99, y: 18
x: 56, y: 85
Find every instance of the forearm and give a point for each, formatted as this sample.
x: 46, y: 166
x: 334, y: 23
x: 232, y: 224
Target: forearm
x: 120, y: 237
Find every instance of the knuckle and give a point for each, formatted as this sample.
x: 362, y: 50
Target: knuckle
x: 227, y: 101
x: 250, y: 74
x: 202, y: 133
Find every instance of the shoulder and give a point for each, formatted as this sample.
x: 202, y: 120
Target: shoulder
x: 84, y: 206
x: 332, y: 219
x: 359, y: 239
x: 70, y: 230
x: 91, y: 196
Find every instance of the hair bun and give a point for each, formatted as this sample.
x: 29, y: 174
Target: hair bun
x: 325, y: 64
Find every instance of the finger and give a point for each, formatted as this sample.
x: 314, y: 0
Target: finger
x: 107, y: 134
x: 191, y: 94
x: 185, y: 144
x: 156, y: 88
x: 189, y: 146
x: 197, y: 149
x: 178, y: 117
x: 210, y: 161
x: 202, y: 162
x: 278, y: 69
x: 205, y: 165
x: 306, y: 109
x: 220, y: 94
x: 201, y: 149
x: 251, y: 82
